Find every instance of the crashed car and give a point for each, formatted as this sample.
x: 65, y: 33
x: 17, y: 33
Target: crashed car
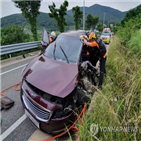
x: 56, y: 84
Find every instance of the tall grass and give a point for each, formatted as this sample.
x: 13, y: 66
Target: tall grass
x: 134, y: 44
x: 122, y: 117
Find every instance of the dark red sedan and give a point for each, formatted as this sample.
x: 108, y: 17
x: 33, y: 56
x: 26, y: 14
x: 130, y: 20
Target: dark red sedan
x: 56, y: 83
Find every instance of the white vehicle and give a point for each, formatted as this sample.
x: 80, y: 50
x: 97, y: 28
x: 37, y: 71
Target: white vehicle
x: 106, y: 37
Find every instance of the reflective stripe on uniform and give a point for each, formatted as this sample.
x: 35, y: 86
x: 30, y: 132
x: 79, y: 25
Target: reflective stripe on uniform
x: 87, y: 53
x: 105, y: 55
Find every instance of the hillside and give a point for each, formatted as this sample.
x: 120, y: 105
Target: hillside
x: 44, y: 21
x: 111, y: 15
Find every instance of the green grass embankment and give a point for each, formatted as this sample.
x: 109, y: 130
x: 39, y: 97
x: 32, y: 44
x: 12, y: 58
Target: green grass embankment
x: 117, y: 120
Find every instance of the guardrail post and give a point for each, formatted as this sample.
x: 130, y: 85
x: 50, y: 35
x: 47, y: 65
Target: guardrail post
x: 9, y: 55
x: 24, y: 56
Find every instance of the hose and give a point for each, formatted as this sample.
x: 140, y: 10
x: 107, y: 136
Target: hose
x: 72, y: 127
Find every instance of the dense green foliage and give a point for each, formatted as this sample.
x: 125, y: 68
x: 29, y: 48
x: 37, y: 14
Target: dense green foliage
x: 130, y: 23
x: 15, y: 19
x: 13, y: 34
x: 58, y: 15
x: 100, y: 27
x: 91, y: 21
x: 77, y: 15
x: 132, y: 14
x: 134, y: 44
x: 30, y: 10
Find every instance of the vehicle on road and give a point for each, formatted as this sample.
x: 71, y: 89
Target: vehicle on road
x: 106, y: 37
x: 56, y: 84
x: 106, y: 30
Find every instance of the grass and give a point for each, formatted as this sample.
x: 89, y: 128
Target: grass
x: 135, y: 43
x: 117, y: 120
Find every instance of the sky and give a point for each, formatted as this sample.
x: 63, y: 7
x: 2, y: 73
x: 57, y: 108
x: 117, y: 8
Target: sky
x: 8, y: 7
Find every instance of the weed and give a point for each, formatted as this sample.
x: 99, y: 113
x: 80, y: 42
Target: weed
x: 116, y: 109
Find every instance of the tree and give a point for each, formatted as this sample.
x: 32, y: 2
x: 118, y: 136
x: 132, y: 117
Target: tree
x: 100, y: 27
x: 58, y: 15
x: 13, y: 34
x: 30, y: 10
x: 91, y: 21
x: 131, y: 14
x: 77, y: 16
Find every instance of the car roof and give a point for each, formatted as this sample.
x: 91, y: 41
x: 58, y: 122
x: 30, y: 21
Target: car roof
x: 74, y: 33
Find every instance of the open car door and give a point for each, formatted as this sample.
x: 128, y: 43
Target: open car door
x: 45, y: 40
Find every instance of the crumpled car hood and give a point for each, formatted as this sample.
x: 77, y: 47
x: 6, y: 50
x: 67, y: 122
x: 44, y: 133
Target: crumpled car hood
x: 51, y: 76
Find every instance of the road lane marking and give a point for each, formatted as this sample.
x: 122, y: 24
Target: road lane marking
x: 38, y: 135
x: 12, y: 127
x: 12, y: 69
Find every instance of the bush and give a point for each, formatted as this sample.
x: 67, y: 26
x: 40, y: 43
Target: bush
x: 134, y: 44
x: 13, y: 34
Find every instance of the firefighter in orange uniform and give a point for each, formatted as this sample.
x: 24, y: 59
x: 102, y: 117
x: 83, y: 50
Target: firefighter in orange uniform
x: 97, y: 50
x: 52, y: 36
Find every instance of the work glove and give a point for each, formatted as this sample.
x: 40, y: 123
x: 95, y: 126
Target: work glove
x: 81, y: 38
x: 85, y: 37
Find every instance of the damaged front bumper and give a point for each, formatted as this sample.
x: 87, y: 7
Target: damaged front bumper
x: 53, y: 120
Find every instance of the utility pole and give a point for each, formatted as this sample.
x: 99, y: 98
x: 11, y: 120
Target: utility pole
x: 104, y: 19
x: 83, y: 14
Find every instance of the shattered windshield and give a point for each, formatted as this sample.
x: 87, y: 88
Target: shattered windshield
x: 65, y: 49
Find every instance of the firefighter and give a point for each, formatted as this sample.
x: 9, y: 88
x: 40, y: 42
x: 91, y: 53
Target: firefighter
x: 97, y: 50
x: 85, y: 53
x: 52, y: 36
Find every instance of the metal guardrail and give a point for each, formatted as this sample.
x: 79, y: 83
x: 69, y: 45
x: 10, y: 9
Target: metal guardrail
x: 7, y: 49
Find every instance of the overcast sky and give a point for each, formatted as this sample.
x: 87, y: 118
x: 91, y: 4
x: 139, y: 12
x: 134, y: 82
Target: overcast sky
x: 8, y: 8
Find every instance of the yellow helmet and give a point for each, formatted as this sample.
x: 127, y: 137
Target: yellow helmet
x: 92, y: 35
